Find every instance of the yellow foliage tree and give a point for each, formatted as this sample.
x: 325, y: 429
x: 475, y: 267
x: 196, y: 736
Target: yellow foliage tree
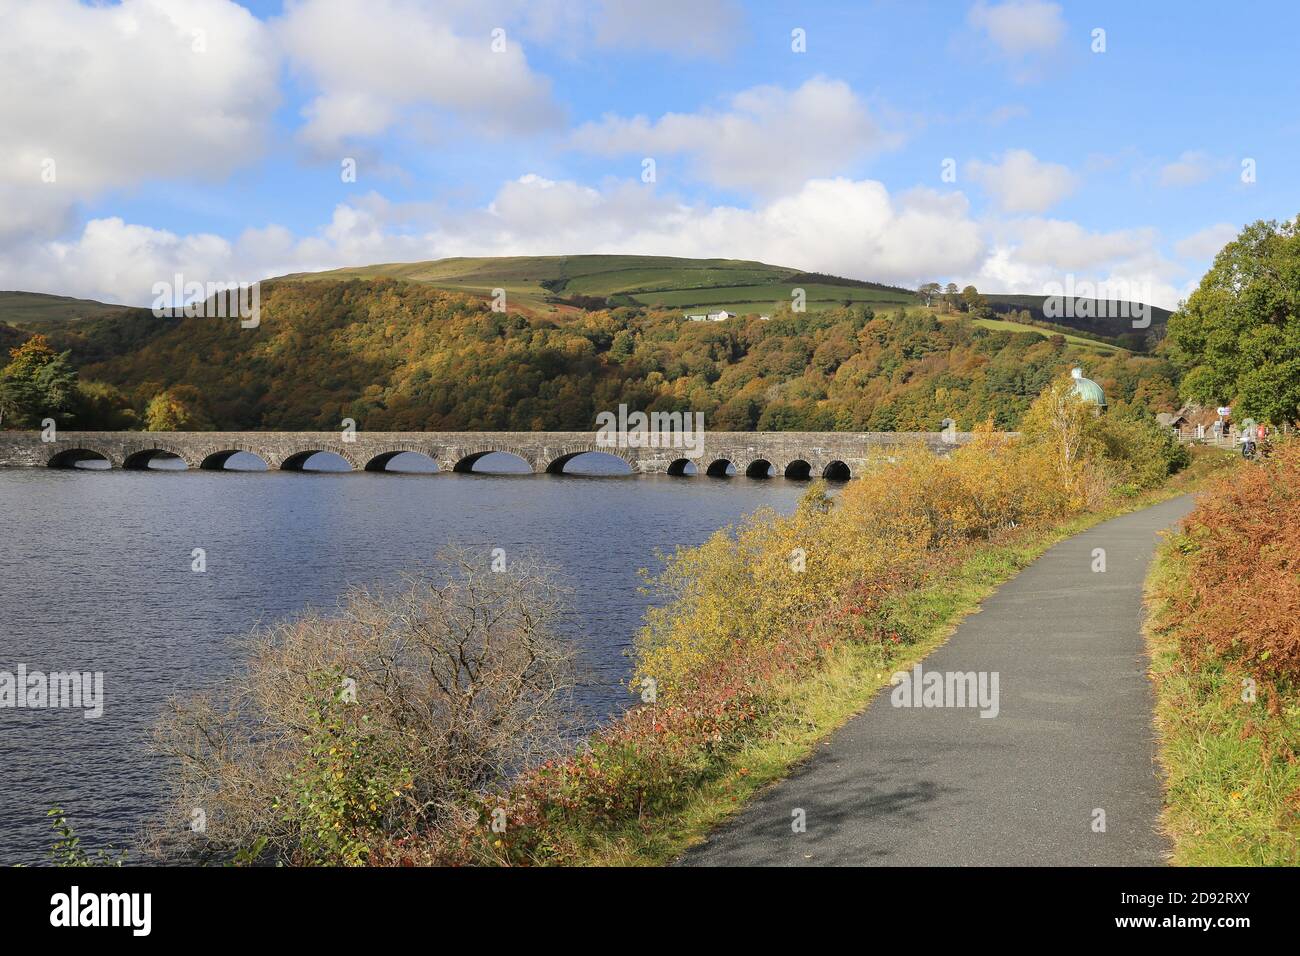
x: 179, y: 408
x: 835, y: 560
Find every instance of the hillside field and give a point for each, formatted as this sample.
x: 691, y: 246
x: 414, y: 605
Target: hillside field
x: 544, y: 283
x: 550, y: 284
x: 26, y: 308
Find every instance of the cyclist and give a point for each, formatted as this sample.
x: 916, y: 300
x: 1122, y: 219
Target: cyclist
x: 1247, y: 438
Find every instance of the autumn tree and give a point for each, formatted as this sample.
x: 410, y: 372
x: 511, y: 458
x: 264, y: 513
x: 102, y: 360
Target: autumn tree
x: 179, y: 408
x: 951, y: 296
x: 1060, y: 420
x: 37, y: 383
x: 1238, y: 335
x: 100, y: 405
x: 974, y: 303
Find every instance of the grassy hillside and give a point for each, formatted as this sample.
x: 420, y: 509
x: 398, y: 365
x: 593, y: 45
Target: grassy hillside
x: 10, y: 338
x: 552, y: 283
x: 1108, y: 327
x: 1006, y: 325
x: 32, y: 309
x: 542, y: 282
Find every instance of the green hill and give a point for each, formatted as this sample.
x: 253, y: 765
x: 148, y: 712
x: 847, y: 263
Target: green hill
x: 39, y: 309
x: 551, y: 284
x: 1092, y: 322
x: 554, y: 283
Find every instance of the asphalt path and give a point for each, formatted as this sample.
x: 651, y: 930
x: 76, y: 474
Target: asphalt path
x: 1071, y: 741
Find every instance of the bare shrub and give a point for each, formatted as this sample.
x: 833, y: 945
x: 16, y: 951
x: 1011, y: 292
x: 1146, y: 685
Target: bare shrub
x: 383, y: 719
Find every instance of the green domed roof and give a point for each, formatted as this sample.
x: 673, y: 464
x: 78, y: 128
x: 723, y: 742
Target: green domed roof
x: 1087, y: 389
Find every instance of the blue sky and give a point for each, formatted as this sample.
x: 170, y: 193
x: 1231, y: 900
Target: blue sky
x: 207, y: 137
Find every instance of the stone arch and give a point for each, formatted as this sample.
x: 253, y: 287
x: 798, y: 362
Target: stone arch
x: 758, y: 468
x: 557, y: 462
x: 464, y: 461
x: 836, y: 470
x: 295, y: 460
x: 718, y: 468
x: 797, y: 470
x: 378, y: 460
x: 137, y: 455
x: 69, y: 457
x: 678, y: 468
x: 216, y: 460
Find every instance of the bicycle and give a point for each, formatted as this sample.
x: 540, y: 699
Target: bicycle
x: 1251, y: 450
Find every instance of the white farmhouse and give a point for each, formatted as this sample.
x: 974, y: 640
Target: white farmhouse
x: 711, y: 316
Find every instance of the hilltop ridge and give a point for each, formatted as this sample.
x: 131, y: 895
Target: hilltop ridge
x: 740, y: 286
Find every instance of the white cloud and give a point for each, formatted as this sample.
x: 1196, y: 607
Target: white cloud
x: 1019, y: 28
x: 1205, y: 244
x: 1191, y: 168
x: 107, y: 97
x: 113, y: 261
x: 1022, y: 183
x: 1028, y: 254
x: 31, y: 212
x: 575, y: 28
x: 387, y: 62
x: 769, y: 140
x: 688, y: 27
x: 1062, y: 244
x: 115, y: 95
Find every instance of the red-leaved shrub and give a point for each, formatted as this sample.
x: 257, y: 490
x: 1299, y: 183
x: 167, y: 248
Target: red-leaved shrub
x: 1243, y: 541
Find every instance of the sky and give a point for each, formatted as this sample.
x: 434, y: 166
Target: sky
x: 1010, y: 144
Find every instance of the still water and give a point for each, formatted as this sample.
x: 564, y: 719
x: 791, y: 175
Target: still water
x: 95, y: 575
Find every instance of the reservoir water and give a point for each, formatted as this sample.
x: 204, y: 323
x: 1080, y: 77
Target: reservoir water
x: 95, y: 575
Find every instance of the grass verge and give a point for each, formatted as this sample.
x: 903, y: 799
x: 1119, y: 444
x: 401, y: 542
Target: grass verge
x: 1232, y: 783
x: 817, y: 705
